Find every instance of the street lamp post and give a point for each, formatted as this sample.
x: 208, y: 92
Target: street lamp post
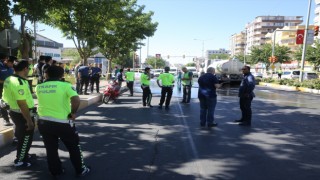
x: 304, y: 43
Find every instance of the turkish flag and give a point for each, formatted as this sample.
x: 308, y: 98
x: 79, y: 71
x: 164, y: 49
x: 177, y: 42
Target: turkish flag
x: 300, y: 36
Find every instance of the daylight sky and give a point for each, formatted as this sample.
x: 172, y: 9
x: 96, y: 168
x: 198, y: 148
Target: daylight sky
x: 212, y: 22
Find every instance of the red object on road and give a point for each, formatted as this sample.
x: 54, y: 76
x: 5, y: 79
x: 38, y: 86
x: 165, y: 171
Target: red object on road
x: 300, y: 36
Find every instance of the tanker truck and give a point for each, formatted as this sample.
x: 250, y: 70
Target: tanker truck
x: 227, y: 70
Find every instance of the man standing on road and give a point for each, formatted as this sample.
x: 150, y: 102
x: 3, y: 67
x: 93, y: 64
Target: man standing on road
x: 130, y: 80
x: 76, y: 71
x: 187, y: 84
x: 95, y: 77
x: 6, y: 70
x: 48, y: 62
x: 17, y: 94
x: 167, y: 82
x: 145, y: 86
x: 208, y: 83
x: 83, y: 75
x: 56, y: 121
x: 246, y: 95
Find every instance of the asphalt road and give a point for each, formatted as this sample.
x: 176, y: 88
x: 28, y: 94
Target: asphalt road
x: 126, y: 141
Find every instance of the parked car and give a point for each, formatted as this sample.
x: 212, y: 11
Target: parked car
x: 310, y: 75
x: 294, y: 74
x: 157, y: 72
x: 257, y: 74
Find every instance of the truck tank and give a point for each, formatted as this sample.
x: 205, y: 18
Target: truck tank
x: 228, y: 70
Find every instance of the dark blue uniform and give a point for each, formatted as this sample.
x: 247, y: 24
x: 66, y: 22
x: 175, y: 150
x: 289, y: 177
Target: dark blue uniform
x: 83, y: 72
x: 246, y: 95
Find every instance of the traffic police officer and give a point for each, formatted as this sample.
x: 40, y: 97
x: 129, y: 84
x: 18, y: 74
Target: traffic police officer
x: 167, y: 81
x: 130, y: 80
x: 145, y: 86
x: 56, y: 120
x: 16, y: 93
x: 187, y: 84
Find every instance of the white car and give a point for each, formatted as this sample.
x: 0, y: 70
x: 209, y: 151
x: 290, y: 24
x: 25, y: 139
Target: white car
x: 294, y: 74
x: 157, y: 72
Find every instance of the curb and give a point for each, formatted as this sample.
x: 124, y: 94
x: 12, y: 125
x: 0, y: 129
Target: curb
x: 6, y: 135
x: 290, y: 88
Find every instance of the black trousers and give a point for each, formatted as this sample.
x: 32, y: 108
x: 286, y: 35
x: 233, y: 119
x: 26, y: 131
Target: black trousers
x: 78, y: 85
x: 23, y: 136
x: 4, y: 112
x: 146, y: 95
x: 166, y: 91
x: 245, y: 106
x: 95, y: 80
x: 51, y: 132
x: 186, y: 93
x: 130, y: 86
x: 84, y: 81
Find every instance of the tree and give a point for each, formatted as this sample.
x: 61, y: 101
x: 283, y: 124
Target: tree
x: 262, y: 54
x: 156, y: 63
x: 312, y: 54
x: 192, y: 64
x: 219, y: 56
x: 80, y: 21
x: 72, y: 53
x: 28, y: 11
x: 5, y: 18
x: 124, y: 27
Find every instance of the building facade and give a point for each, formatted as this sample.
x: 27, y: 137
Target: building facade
x: 238, y: 43
x: 257, y: 29
x: 48, y: 47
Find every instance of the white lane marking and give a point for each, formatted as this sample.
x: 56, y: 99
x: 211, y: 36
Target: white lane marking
x: 191, y: 141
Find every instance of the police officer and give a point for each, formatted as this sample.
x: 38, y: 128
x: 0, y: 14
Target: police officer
x: 39, y: 73
x: 187, y: 84
x: 145, y: 86
x: 56, y: 121
x: 48, y: 62
x: 16, y: 93
x: 167, y: 81
x: 130, y: 80
x: 6, y: 70
x: 84, y: 76
x: 95, y: 77
x: 246, y: 96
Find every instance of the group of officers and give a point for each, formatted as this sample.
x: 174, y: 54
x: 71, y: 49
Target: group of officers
x: 55, y: 119
x: 165, y: 81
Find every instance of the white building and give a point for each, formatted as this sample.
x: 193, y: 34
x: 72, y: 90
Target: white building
x: 258, y: 28
x: 48, y: 47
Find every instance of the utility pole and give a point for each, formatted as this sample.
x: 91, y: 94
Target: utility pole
x: 35, y: 38
x: 304, y: 43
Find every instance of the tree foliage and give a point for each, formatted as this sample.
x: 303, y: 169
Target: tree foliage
x: 5, y: 18
x: 156, y: 63
x: 219, y: 56
x: 312, y: 54
x: 262, y: 54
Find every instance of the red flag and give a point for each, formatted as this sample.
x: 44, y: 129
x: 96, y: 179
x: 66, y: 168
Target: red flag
x: 300, y: 36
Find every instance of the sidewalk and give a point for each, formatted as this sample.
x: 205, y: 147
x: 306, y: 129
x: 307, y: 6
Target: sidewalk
x: 6, y: 132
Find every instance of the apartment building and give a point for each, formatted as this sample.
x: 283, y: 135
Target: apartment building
x: 238, y: 43
x: 257, y: 29
x: 286, y: 37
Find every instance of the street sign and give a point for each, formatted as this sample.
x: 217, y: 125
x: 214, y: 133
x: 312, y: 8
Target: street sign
x: 10, y: 38
x: 158, y: 56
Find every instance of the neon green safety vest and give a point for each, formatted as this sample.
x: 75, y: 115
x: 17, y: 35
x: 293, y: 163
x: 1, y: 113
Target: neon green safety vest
x: 130, y: 76
x: 54, y: 100
x: 144, y: 80
x: 167, y: 79
x: 17, y: 88
x: 186, y: 82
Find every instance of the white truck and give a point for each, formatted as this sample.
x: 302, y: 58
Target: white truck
x: 227, y: 70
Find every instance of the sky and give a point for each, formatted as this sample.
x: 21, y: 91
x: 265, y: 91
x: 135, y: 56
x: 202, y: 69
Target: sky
x: 186, y: 27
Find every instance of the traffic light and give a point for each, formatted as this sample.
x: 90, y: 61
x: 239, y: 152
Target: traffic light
x: 168, y: 56
x: 316, y: 30
x: 183, y: 56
